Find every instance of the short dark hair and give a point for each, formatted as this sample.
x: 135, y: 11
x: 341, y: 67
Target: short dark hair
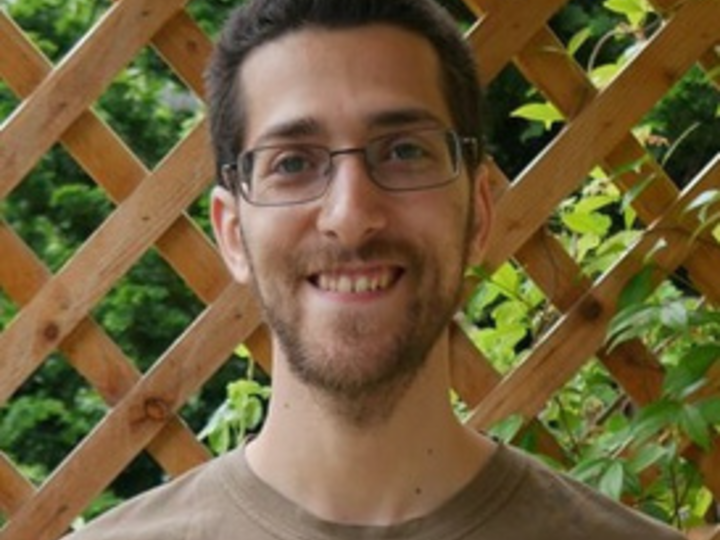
x: 260, y: 21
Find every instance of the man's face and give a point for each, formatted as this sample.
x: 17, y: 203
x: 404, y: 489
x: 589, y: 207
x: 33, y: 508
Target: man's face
x: 358, y: 285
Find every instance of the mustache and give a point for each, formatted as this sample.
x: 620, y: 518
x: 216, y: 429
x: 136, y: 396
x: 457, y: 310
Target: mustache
x: 329, y: 256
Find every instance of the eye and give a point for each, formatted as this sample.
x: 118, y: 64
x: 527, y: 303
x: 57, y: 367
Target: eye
x: 406, y: 150
x: 294, y: 162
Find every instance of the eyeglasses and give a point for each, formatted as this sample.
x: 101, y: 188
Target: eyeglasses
x: 287, y: 174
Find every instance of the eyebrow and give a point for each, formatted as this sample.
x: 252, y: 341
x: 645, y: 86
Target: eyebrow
x: 292, y: 129
x: 299, y: 128
x: 403, y: 118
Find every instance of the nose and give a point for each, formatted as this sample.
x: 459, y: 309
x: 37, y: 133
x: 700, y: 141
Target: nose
x: 354, y: 209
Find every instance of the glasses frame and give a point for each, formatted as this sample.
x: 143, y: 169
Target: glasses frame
x: 233, y: 177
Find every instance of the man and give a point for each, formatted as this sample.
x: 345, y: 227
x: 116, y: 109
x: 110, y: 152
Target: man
x: 347, y: 135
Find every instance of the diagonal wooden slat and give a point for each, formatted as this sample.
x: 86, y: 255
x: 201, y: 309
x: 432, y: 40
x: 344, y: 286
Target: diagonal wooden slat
x: 15, y: 489
x: 137, y: 418
x: 105, y: 158
x: 582, y: 329
x: 503, y: 31
x: 95, y: 356
x: 40, y: 120
x: 601, y: 125
x: 185, y: 48
x: 569, y: 88
x: 125, y: 235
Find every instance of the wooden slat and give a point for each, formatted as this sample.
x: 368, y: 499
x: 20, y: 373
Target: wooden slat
x: 105, y: 158
x: 86, y: 71
x: 564, y: 283
x: 15, y: 489
x: 185, y: 48
x: 602, y: 124
x: 569, y: 88
x: 473, y: 378
x: 582, y: 330
x: 109, y: 253
x: 137, y: 418
x: 96, y: 357
x: 503, y: 31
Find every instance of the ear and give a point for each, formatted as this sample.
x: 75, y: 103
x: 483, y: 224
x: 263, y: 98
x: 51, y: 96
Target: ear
x: 225, y: 216
x: 482, y: 199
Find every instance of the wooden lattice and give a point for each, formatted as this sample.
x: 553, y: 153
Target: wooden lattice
x: 55, y: 106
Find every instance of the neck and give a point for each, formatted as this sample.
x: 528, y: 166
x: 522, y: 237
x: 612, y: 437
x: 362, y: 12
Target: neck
x: 330, y: 466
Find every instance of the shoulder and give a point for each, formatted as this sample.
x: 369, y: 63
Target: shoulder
x: 164, y: 512
x: 558, y: 503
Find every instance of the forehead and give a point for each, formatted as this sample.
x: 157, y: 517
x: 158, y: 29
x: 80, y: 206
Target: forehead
x: 337, y: 84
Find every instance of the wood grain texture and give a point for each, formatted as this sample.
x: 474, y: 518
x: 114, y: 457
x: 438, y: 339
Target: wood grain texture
x: 138, y: 417
x: 96, y: 357
x: 581, y: 331
x: 76, y: 83
x: 106, y: 256
x: 600, y: 126
x: 504, y: 30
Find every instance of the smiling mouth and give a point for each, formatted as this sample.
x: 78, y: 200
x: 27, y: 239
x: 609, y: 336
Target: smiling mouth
x: 357, y: 282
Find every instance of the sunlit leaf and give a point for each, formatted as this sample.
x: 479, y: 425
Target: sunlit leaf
x: 546, y: 113
x: 578, y: 40
x: 634, y: 10
x: 602, y: 75
x: 508, y: 279
x: 586, y: 222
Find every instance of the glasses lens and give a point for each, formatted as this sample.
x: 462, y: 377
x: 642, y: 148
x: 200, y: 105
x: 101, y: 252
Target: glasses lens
x: 414, y: 160
x: 285, y: 174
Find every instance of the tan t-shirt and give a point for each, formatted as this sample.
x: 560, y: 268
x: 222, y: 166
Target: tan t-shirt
x: 513, y: 498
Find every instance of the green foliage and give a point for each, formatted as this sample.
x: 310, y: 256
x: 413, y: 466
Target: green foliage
x: 626, y: 451
x: 55, y: 210
x: 242, y: 411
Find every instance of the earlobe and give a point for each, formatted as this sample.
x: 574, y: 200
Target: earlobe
x: 482, y: 199
x: 225, y: 217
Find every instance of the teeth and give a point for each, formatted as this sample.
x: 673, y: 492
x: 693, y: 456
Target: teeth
x: 361, y: 284
x: 344, y: 285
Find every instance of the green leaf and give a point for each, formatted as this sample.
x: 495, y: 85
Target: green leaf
x: 602, y: 75
x: 695, y: 426
x: 546, y: 113
x: 611, y: 482
x: 638, y: 289
x: 634, y: 10
x: 578, y: 40
x: 594, y: 202
x: 675, y: 316
x: 586, y: 222
x: 510, y: 313
x: 508, y: 279
x: 682, y: 379
x: 710, y: 410
x: 654, y: 418
x: 647, y: 456
x: 508, y: 428
x: 589, y: 468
